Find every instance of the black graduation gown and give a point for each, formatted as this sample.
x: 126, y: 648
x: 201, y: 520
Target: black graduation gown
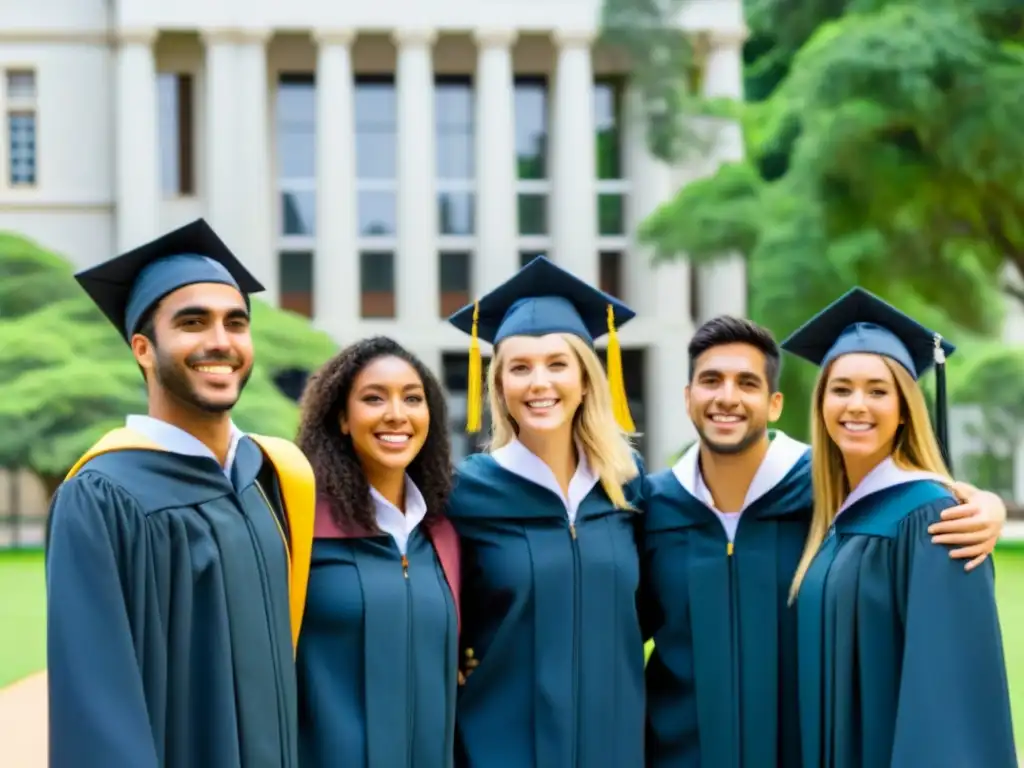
x: 550, y: 611
x: 901, y: 656
x: 169, y: 638
x: 722, y: 679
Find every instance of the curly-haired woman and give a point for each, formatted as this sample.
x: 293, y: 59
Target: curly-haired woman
x: 377, y: 660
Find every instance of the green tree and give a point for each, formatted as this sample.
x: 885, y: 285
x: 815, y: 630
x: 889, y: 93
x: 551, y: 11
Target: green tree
x: 66, y: 376
x: 882, y: 150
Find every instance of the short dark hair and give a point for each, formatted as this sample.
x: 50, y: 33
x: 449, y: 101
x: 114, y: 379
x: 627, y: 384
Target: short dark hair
x: 737, y: 330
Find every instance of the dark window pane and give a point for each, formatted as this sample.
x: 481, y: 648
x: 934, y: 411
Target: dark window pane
x: 634, y: 370
x: 610, y: 271
x: 453, y: 109
x: 533, y: 214
x: 531, y: 117
x: 454, y: 280
x: 168, y: 130
x: 455, y: 213
x: 377, y: 213
x: 609, y: 133
x: 295, y: 111
x: 298, y: 213
x: 455, y: 373
x: 376, y: 130
x: 525, y: 257
x: 375, y: 105
x: 611, y: 218
x: 376, y: 156
x: 295, y: 272
x: 21, y: 85
x: 454, y: 155
x: 377, y: 283
x: 21, y: 148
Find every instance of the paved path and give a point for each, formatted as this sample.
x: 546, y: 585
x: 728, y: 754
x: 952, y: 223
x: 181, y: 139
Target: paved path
x: 23, y: 723
x: 1013, y: 530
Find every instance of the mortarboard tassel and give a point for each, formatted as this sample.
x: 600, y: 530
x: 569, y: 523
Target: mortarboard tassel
x: 941, y: 421
x: 475, y: 396
x: 616, y: 379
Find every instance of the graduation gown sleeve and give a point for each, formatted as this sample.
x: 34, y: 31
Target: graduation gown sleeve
x: 99, y: 707
x: 953, y: 701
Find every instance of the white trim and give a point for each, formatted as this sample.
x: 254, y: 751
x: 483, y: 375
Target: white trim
x: 533, y: 186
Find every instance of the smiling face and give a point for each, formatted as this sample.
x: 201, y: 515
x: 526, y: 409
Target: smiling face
x: 729, y: 399
x: 541, y: 382
x: 862, y: 408
x: 201, y: 355
x: 386, y: 415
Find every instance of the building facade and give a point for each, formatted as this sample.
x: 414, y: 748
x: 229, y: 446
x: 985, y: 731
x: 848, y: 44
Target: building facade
x: 376, y: 165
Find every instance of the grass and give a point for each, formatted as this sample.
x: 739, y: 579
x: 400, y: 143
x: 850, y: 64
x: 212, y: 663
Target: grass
x: 1010, y: 595
x: 22, y: 615
x: 23, y: 607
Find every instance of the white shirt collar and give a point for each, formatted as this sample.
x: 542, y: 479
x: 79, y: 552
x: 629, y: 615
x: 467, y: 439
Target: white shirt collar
x: 177, y: 440
x: 782, y: 455
x: 886, y: 475
x: 520, y: 460
x: 390, y: 518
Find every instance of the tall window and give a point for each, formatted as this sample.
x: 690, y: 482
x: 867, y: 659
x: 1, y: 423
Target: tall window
x: 21, y: 108
x: 295, y: 117
x: 376, y: 188
x: 612, y: 186
x: 455, y: 373
x: 456, y: 184
x: 634, y: 370
x: 176, y: 108
x: 534, y: 185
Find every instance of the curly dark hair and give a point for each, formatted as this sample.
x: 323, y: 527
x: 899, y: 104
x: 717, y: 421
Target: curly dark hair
x: 339, y: 475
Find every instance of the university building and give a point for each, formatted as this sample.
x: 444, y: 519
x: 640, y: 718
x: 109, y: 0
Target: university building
x: 376, y: 164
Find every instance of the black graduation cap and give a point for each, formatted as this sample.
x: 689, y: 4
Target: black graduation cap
x: 127, y: 286
x: 539, y: 299
x: 859, y: 321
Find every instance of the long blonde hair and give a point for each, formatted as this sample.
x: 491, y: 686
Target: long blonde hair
x: 915, y: 448
x: 606, y: 445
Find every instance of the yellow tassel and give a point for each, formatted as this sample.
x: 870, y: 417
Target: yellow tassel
x: 475, y: 396
x: 616, y: 379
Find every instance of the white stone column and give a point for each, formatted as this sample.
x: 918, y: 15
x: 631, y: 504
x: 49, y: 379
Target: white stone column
x: 417, y: 259
x: 663, y: 290
x: 224, y: 198
x: 574, y: 166
x: 723, y: 285
x: 494, y: 131
x: 138, y: 142
x: 253, y: 188
x: 668, y: 427
x: 336, y: 266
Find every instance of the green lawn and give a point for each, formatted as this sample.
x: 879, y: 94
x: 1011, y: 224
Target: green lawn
x: 22, y: 615
x: 1010, y: 593
x: 23, y: 608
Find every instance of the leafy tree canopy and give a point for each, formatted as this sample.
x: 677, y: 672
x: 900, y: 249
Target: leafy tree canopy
x: 883, y: 151
x: 66, y: 376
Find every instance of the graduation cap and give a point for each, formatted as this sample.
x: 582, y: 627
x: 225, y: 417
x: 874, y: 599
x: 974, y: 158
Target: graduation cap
x: 859, y: 321
x: 127, y: 286
x: 539, y: 299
